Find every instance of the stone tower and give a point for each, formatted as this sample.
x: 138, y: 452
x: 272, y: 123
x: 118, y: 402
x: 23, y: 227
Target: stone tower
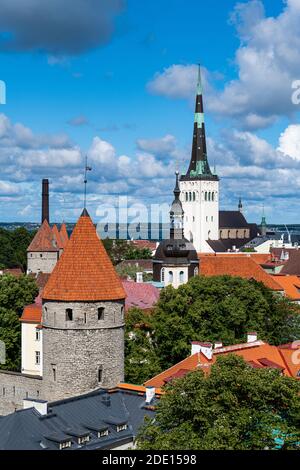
x: 83, y: 318
x: 200, y: 187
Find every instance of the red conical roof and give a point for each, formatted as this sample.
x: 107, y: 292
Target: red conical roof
x: 44, y: 239
x: 64, y: 234
x: 57, y: 236
x: 84, y: 271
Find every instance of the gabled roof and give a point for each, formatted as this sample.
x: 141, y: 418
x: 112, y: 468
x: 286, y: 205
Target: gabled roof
x: 232, y: 219
x: 141, y: 295
x: 292, y: 265
x: 290, y: 285
x: 64, y: 234
x: 57, y: 237
x: 257, y: 354
x: 44, y: 239
x: 33, y: 313
x: 84, y: 271
x: 239, y: 266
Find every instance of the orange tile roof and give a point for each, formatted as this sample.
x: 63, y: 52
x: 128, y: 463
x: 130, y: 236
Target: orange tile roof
x: 32, y: 314
x: 291, y: 356
x: 137, y: 388
x: 84, y: 271
x: 251, y: 352
x: 241, y: 266
x: 290, y: 284
x: 64, y: 234
x: 44, y: 239
x: 57, y: 237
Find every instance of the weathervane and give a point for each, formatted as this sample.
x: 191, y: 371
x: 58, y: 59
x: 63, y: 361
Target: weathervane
x: 86, y: 169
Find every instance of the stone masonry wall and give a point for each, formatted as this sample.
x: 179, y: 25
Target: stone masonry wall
x: 74, y: 351
x: 14, y: 387
x: 43, y: 262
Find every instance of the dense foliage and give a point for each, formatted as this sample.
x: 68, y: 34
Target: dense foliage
x: 120, y: 250
x: 236, y: 407
x: 13, y: 246
x: 15, y: 293
x: 213, y: 309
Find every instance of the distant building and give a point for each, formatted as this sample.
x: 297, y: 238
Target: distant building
x: 175, y: 260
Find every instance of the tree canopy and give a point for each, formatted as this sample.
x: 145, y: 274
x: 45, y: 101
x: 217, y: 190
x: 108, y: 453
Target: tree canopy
x: 15, y: 293
x: 208, y: 309
x: 236, y: 407
x: 13, y: 246
x: 119, y: 250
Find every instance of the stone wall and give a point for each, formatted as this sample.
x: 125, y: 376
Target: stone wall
x: 14, y: 387
x: 75, y: 350
x: 43, y: 262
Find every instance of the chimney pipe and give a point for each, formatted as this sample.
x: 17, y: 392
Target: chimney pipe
x: 45, y: 200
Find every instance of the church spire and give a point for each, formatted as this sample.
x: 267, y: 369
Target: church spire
x: 199, y: 167
x: 176, y: 213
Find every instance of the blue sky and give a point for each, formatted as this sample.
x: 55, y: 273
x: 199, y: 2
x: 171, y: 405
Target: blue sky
x: 116, y: 80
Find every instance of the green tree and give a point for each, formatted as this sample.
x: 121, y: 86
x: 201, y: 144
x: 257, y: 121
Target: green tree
x: 220, y: 308
x: 13, y: 247
x: 235, y: 408
x: 15, y: 293
x: 141, y: 360
x: 131, y: 271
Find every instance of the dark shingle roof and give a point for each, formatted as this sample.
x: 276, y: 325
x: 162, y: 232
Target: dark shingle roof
x: 232, y: 219
x: 74, y: 417
x: 223, y: 245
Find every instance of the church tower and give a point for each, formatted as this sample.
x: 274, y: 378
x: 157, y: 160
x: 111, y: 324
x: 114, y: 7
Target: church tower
x: 82, y: 319
x: 199, y: 187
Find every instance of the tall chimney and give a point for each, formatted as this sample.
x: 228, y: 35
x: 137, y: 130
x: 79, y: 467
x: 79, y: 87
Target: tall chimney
x: 45, y: 200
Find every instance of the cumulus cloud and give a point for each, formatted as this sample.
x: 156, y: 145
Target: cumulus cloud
x: 78, y: 121
x: 57, y: 27
x: 163, y: 146
x: 289, y: 142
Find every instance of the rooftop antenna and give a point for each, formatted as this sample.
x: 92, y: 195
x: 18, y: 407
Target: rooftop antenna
x: 86, y: 169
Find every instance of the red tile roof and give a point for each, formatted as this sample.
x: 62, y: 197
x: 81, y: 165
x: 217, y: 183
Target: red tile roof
x: 290, y: 284
x: 64, y: 234
x: 16, y: 272
x: 258, y: 354
x: 240, y: 266
x: 44, y: 239
x: 141, y: 295
x: 57, y: 237
x: 84, y: 271
x: 32, y: 313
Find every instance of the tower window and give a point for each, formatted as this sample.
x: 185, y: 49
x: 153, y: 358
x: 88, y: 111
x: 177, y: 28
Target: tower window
x: 162, y: 275
x: 122, y: 313
x: 181, y: 277
x: 84, y: 317
x: 190, y: 196
x: 69, y: 314
x: 101, y: 313
x: 186, y: 196
x: 37, y: 335
x: 205, y: 196
x: 170, y: 276
x: 37, y: 358
x: 41, y: 255
x: 194, y: 196
x: 54, y: 373
x: 212, y: 196
x: 100, y: 374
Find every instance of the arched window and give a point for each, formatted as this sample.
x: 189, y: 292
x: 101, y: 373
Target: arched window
x: 162, y: 275
x: 209, y: 196
x: 171, y: 277
x: 181, y: 277
x: 205, y: 196
x: 190, y: 196
x: 212, y: 196
x: 186, y: 196
x: 194, y: 196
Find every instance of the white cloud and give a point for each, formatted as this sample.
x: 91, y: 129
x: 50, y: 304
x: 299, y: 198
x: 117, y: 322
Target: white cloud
x: 289, y: 142
x: 163, y: 146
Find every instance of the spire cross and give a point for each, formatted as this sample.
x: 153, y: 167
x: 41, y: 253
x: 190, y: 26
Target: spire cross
x: 86, y: 169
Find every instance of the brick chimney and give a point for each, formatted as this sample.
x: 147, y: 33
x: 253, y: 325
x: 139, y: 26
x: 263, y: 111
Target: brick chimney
x: 45, y: 200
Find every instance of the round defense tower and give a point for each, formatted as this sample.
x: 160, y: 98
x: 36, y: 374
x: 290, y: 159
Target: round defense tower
x: 83, y: 319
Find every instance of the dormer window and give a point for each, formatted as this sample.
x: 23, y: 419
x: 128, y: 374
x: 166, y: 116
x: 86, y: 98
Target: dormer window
x: 83, y: 440
x: 122, y: 427
x: 103, y: 433
x: 65, y: 445
x: 69, y: 314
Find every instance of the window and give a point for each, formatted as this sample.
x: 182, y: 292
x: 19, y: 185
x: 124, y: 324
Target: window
x: 84, y: 317
x: 121, y: 427
x: 54, y: 373
x: 103, y: 433
x: 181, y: 277
x: 209, y: 196
x: 41, y: 255
x: 83, y: 439
x: 162, y: 275
x: 101, y: 313
x: 186, y: 196
x: 194, y: 196
x: 122, y: 313
x: 69, y: 314
x: 37, y: 335
x: 196, y: 271
x: 100, y: 374
x: 212, y: 196
x: 212, y: 219
x: 190, y: 196
x: 205, y: 197
x: 14, y: 391
x: 170, y: 276
x: 65, y: 445
x: 3, y: 391
x: 37, y: 357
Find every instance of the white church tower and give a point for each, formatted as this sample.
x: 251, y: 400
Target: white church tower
x: 200, y: 188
